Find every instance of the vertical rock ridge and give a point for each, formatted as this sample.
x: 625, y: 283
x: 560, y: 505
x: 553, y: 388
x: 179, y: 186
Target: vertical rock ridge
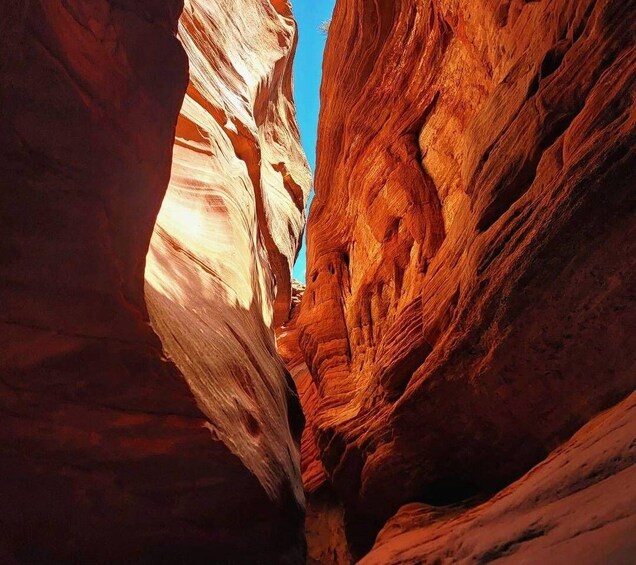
x: 218, y: 271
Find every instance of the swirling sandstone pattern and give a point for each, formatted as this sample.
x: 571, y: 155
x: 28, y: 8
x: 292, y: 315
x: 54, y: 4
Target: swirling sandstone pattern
x: 108, y: 456
x: 218, y: 272
x: 470, y: 283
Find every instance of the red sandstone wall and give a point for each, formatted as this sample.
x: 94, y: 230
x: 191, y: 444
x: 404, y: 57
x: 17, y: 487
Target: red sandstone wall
x: 470, y: 280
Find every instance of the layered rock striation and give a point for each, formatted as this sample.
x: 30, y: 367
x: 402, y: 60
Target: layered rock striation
x: 324, y: 520
x: 470, y: 282
x: 218, y: 268
x: 114, y: 447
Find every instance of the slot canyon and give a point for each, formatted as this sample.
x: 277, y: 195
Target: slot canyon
x: 454, y: 381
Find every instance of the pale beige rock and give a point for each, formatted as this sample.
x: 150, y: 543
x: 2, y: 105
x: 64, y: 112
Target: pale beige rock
x: 218, y: 269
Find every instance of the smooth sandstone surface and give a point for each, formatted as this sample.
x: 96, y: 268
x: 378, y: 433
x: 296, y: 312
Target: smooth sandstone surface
x: 470, y: 282
x: 577, y: 506
x: 110, y: 455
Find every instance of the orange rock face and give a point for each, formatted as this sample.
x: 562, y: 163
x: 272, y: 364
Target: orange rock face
x: 313, y: 474
x: 108, y: 454
x: 324, y: 520
x: 470, y: 283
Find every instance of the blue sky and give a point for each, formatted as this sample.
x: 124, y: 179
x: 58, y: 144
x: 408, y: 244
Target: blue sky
x: 307, y: 75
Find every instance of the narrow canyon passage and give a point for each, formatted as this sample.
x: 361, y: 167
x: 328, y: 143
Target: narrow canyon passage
x: 455, y: 383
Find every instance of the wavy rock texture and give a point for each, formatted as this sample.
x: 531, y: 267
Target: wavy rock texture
x: 108, y: 456
x: 470, y: 283
x: 218, y: 271
x: 313, y: 473
x: 577, y: 506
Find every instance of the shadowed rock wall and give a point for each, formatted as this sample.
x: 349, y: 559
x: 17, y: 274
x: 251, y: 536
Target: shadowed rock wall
x: 108, y: 453
x: 577, y: 506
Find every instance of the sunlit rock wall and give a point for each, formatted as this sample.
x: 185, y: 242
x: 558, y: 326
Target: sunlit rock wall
x: 470, y: 282
x: 106, y: 454
x: 218, y: 269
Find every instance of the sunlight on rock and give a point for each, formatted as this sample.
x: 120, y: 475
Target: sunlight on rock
x: 221, y: 254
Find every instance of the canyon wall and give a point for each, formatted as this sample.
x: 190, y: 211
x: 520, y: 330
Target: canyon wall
x: 470, y: 280
x: 114, y: 448
x: 324, y: 521
x: 219, y: 264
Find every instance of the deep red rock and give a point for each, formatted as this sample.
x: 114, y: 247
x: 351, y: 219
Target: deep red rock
x: 107, y: 455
